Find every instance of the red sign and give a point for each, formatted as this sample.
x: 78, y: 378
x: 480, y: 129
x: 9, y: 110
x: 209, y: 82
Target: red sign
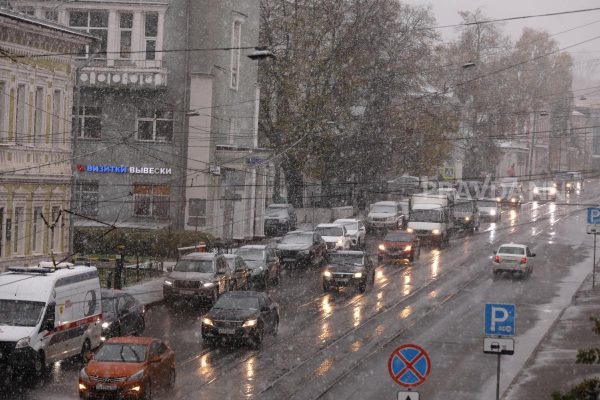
x: 409, y: 365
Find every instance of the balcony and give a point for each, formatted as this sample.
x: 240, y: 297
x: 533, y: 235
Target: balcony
x: 119, y: 74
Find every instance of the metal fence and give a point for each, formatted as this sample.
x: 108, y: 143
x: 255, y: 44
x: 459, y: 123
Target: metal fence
x: 133, y: 273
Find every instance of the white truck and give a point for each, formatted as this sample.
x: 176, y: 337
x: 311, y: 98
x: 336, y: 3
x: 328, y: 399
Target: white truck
x: 47, y: 314
x: 431, y: 217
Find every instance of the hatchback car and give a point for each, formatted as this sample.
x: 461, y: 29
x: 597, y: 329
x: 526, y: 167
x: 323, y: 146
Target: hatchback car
x: 241, y: 316
x: 348, y: 268
x: 514, y: 258
x: 239, y: 272
x: 302, y: 248
x: 128, y: 367
x: 122, y: 314
x: 544, y: 191
x: 263, y: 264
x: 399, y: 245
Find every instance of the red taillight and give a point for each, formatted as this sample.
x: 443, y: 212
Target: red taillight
x: 497, y: 259
x: 523, y: 260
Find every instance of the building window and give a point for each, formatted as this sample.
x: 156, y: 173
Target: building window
x: 125, y: 30
x: 151, y: 34
x: 87, y: 197
x: 56, y: 117
x: 155, y: 125
x: 51, y: 15
x: 90, y: 122
x: 17, y: 237
x: 56, y: 231
x: 21, y: 110
x: 151, y: 200
x: 197, y: 212
x: 36, y: 232
x: 94, y: 23
x: 27, y: 10
x: 38, y: 121
x: 236, y: 42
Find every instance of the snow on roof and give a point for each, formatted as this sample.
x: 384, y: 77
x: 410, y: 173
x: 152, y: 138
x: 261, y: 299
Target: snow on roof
x: 334, y: 225
x: 254, y: 246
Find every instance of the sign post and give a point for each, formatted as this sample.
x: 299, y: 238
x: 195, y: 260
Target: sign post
x: 593, y: 228
x: 409, y: 366
x: 499, y: 330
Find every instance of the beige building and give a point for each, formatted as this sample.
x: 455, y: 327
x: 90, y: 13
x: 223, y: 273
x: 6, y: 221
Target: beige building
x: 35, y: 142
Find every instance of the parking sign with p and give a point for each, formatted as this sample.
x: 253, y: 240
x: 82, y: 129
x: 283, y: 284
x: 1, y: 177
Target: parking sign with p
x: 500, y: 319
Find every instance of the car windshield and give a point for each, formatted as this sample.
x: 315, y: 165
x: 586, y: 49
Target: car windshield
x: 349, y: 225
x: 109, y: 305
x: 237, y: 303
x: 251, y: 254
x: 487, y: 203
x: 202, y: 266
x: 276, y: 212
x: 377, y: 208
x: 341, y: 258
x: 121, y: 352
x: 20, y: 313
x: 398, y: 237
x: 511, y: 250
x: 330, y: 231
x: 298, y: 239
x: 463, y: 207
x: 426, y: 215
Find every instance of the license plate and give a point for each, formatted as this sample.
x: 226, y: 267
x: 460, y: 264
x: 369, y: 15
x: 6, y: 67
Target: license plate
x: 187, y: 292
x: 289, y: 260
x: 102, y: 386
x: 345, y: 280
x: 225, y: 331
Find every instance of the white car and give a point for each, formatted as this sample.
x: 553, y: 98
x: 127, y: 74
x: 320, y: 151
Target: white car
x: 355, y: 230
x: 334, y: 235
x: 544, y: 190
x: 514, y: 258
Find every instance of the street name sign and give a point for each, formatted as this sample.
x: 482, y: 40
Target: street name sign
x: 500, y: 320
x: 408, y: 395
x: 504, y: 346
x: 409, y: 365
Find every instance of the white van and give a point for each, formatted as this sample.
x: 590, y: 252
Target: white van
x: 47, y: 314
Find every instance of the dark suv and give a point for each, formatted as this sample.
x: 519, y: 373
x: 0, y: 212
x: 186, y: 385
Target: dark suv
x: 198, y: 276
x: 302, y: 248
x: 348, y: 268
x: 279, y: 218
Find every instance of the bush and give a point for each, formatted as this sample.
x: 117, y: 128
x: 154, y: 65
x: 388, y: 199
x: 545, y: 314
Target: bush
x: 159, y: 244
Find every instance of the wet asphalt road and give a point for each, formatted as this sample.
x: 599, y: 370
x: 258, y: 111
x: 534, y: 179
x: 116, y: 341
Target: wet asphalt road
x: 336, y: 345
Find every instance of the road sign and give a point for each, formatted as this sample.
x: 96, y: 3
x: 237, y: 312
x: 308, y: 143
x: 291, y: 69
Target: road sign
x: 593, y: 229
x: 593, y: 216
x: 500, y: 319
x: 503, y: 346
x: 409, y: 365
x: 408, y: 395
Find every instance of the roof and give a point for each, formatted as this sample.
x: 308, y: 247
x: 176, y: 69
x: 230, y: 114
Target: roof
x: 329, y: 225
x: 255, y: 246
x: 513, y: 245
x: 199, y: 256
x: 131, y: 340
x: 344, y: 220
x: 28, y: 19
x: 385, y: 203
x: 350, y: 252
x: 487, y: 199
x: 241, y: 293
x: 427, y: 206
x: 231, y: 255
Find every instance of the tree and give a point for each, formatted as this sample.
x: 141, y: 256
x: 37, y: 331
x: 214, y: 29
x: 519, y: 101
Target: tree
x: 589, y: 389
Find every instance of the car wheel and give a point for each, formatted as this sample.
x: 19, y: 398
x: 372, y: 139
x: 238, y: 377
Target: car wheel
x: 148, y: 391
x: 85, y: 348
x: 258, y: 338
x: 39, y: 365
x: 411, y: 257
x: 209, y: 341
x: 215, y: 296
x: 172, y: 378
x: 362, y: 287
x: 326, y: 287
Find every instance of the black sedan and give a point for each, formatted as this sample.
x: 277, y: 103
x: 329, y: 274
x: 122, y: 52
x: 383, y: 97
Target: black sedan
x: 123, y: 315
x: 243, y: 316
x: 302, y: 248
x: 263, y: 263
x: 348, y: 268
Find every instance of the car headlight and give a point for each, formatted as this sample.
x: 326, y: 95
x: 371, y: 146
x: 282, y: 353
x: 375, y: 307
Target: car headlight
x: 498, y: 199
x: 22, y: 343
x: 408, y: 248
x: 358, y: 274
x: 105, y: 325
x: 207, y: 321
x: 340, y: 242
x: 467, y: 219
x: 492, y: 212
x: 327, y: 274
x: 83, y: 375
x: 552, y: 190
x: 435, y: 231
x: 536, y: 190
x: 381, y: 247
x: 168, y: 283
x: 137, y: 376
x: 513, y: 200
x: 410, y: 230
x: 568, y: 185
x: 208, y: 284
x: 249, y: 323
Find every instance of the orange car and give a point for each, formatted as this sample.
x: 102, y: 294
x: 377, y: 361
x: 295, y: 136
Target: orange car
x: 128, y: 368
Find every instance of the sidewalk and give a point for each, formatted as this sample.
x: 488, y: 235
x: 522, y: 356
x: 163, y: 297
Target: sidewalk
x: 149, y: 293
x: 552, y: 365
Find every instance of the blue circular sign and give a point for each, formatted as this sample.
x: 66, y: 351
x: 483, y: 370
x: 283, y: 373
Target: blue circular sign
x: 409, y: 365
